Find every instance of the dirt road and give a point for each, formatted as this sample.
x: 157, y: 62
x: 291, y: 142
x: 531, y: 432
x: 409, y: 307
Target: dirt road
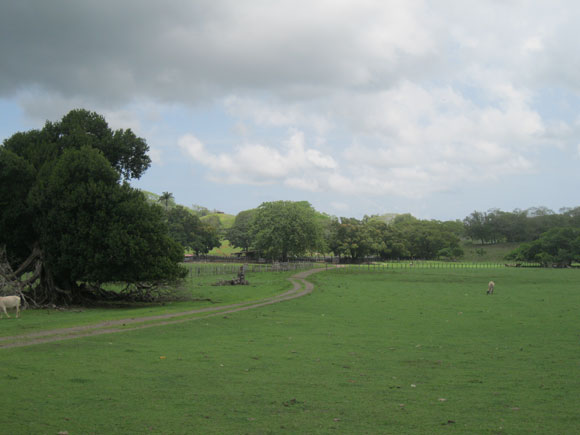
x: 300, y: 288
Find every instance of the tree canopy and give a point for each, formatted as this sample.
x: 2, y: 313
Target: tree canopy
x: 241, y: 233
x: 190, y: 232
x: 496, y: 225
x: 557, y: 247
x: 404, y: 237
x: 284, y: 229
x: 68, y: 214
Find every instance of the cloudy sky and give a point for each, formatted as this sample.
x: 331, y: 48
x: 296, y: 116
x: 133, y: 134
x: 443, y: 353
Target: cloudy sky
x: 437, y: 108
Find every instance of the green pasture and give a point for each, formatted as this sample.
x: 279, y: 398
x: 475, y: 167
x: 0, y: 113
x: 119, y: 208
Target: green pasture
x: 194, y: 293
x: 396, y: 351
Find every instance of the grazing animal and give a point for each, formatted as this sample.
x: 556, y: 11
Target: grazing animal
x: 10, y: 302
x: 490, y: 287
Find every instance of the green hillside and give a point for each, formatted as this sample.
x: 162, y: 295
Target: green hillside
x: 476, y: 252
x: 226, y: 220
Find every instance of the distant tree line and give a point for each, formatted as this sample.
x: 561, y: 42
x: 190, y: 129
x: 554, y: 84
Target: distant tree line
x: 496, y: 226
x: 405, y: 237
x: 281, y: 229
x: 545, y: 237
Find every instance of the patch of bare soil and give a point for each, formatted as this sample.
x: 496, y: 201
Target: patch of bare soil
x: 300, y: 288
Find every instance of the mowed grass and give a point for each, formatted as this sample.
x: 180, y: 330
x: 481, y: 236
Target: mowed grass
x: 420, y: 351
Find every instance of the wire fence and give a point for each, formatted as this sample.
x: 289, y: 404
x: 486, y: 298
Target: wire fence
x: 215, y: 269
x: 420, y: 265
x: 200, y: 269
x: 369, y: 262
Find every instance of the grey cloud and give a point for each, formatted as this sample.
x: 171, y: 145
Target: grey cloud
x: 186, y: 51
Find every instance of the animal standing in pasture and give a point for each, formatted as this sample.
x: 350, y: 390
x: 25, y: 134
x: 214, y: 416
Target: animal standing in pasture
x: 490, y: 287
x: 10, y: 302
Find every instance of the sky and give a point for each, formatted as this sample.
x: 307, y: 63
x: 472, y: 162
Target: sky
x: 361, y: 107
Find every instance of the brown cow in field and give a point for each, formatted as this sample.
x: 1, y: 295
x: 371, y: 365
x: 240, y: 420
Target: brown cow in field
x: 490, y: 287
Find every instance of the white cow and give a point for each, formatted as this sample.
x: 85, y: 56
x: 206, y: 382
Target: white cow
x: 490, y: 287
x: 10, y: 302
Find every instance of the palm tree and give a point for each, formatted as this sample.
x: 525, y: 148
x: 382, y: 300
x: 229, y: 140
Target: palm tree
x: 166, y: 197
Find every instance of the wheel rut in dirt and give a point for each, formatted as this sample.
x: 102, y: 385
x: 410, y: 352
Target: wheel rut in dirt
x: 300, y: 288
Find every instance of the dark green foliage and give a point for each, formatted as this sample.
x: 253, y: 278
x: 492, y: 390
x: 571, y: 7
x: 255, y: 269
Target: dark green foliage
x: 496, y: 226
x: 352, y: 238
x: 404, y: 237
x: 241, y: 234
x: 16, y: 178
x: 427, y: 239
x: 188, y: 230
x: 126, y: 152
x: 64, y: 204
x: 284, y: 229
x: 557, y: 247
x: 94, y: 230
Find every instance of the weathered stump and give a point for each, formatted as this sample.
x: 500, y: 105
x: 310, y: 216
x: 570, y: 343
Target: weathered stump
x: 239, y: 280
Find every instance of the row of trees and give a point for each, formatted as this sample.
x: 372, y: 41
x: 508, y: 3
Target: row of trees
x: 558, y: 247
x: 404, y: 237
x: 284, y: 229
x: 496, y: 226
x: 546, y: 237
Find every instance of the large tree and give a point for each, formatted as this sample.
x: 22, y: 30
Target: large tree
x: 284, y: 229
x: 68, y: 216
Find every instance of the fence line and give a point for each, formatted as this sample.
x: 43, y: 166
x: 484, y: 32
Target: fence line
x: 197, y: 269
x: 396, y: 263
x: 211, y: 269
x: 411, y: 265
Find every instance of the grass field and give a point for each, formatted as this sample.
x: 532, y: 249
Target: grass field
x: 196, y: 292
x: 400, y: 351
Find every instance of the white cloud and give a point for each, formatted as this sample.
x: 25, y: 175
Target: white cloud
x: 259, y: 164
x: 533, y: 45
x: 396, y: 98
x: 267, y: 113
x: 302, y: 184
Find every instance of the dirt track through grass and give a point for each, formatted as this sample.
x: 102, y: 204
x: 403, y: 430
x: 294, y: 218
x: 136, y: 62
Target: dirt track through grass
x: 300, y: 288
